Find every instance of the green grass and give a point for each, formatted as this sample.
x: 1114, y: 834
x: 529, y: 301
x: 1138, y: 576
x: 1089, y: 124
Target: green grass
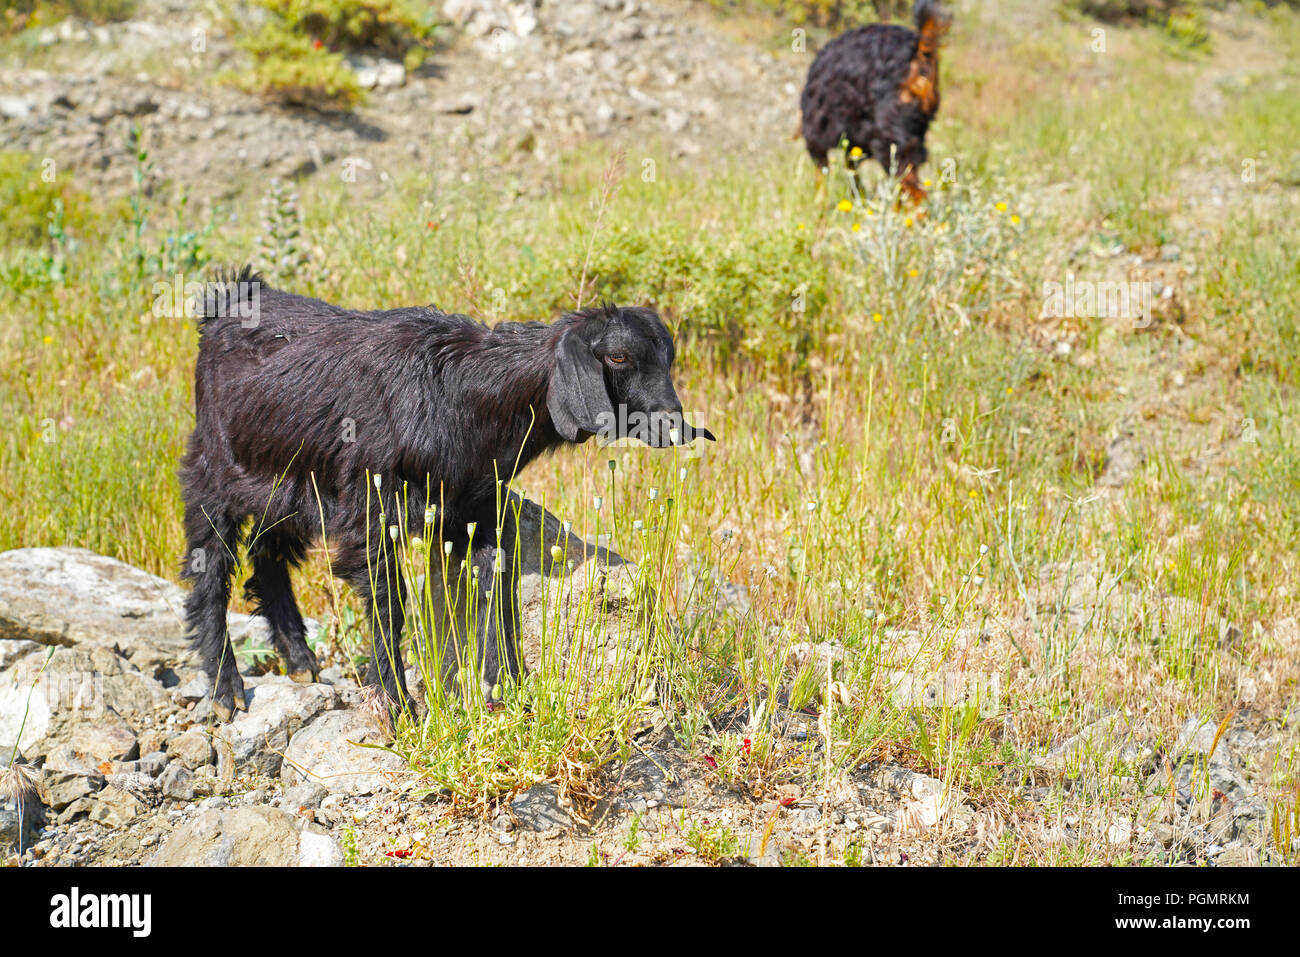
x: 907, y: 472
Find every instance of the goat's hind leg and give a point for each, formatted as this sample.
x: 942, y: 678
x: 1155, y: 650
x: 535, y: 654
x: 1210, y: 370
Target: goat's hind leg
x: 212, y: 538
x: 270, y: 589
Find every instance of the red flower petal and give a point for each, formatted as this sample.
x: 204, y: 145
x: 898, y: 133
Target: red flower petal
x: 712, y: 763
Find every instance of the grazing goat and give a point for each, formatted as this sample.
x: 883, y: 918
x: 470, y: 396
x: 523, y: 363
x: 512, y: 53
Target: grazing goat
x: 311, y: 418
x: 878, y: 88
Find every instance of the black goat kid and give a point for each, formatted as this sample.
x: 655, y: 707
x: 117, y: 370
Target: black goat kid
x: 314, y: 418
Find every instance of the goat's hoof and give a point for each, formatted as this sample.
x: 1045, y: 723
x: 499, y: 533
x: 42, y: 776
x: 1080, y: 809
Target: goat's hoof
x: 304, y: 676
x: 241, y: 703
x: 223, y: 711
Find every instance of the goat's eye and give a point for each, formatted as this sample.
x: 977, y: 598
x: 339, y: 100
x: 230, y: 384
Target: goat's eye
x: 617, y: 358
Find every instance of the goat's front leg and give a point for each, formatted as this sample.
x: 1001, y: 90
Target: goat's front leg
x: 373, y: 572
x: 498, y: 613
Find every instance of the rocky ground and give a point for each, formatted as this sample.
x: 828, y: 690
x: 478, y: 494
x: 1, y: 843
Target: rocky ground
x: 129, y: 766
x: 511, y: 87
x: 101, y: 699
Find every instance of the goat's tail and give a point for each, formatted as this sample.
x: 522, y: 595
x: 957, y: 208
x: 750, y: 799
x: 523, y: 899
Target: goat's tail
x: 932, y: 22
x: 233, y: 293
x: 922, y: 83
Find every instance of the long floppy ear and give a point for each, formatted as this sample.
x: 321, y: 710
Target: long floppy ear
x: 577, y: 398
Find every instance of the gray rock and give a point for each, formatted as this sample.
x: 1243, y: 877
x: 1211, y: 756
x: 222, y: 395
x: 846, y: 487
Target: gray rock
x: 107, y: 739
x: 59, y: 788
x: 1111, y: 737
x: 177, y: 783
x: 330, y: 752
x: 308, y: 794
x: 70, y: 597
x: 77, y: 809
x: 16, y: 107
x: 196, y: 689
x: 277, y: 708
x: 539, y: 808
x: 115, y: 807
x: 193, y: 749
x: 64, y: 758
x: 13, y: 649
x: 247, y: 836
x: 151, y: 765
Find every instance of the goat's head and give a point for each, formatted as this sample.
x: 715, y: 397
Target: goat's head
x: 612, y: 379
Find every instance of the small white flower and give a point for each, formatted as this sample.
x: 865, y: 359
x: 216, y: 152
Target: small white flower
x: 567, y: 526
x: 446, y: 549
x: 681, y: 474
x: 654, y: 494
x: 597, y: 502
x: 638, y: 525
x: 393, y: 532
x: 470, y: 528
x: 674, y: 436
x: 378, y: 480
x: 979, y: 579
x: 869, y: 614
x: 984, y: 549
x: 429, y: 514
x: 811, y: 506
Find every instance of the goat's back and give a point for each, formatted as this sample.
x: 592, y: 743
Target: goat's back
x: 297, y: 387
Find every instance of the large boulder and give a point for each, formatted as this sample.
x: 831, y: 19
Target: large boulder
x: 247, y: 837
x: 71, y: 597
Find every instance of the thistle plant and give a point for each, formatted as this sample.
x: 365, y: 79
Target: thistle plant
x: 280, y: 246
